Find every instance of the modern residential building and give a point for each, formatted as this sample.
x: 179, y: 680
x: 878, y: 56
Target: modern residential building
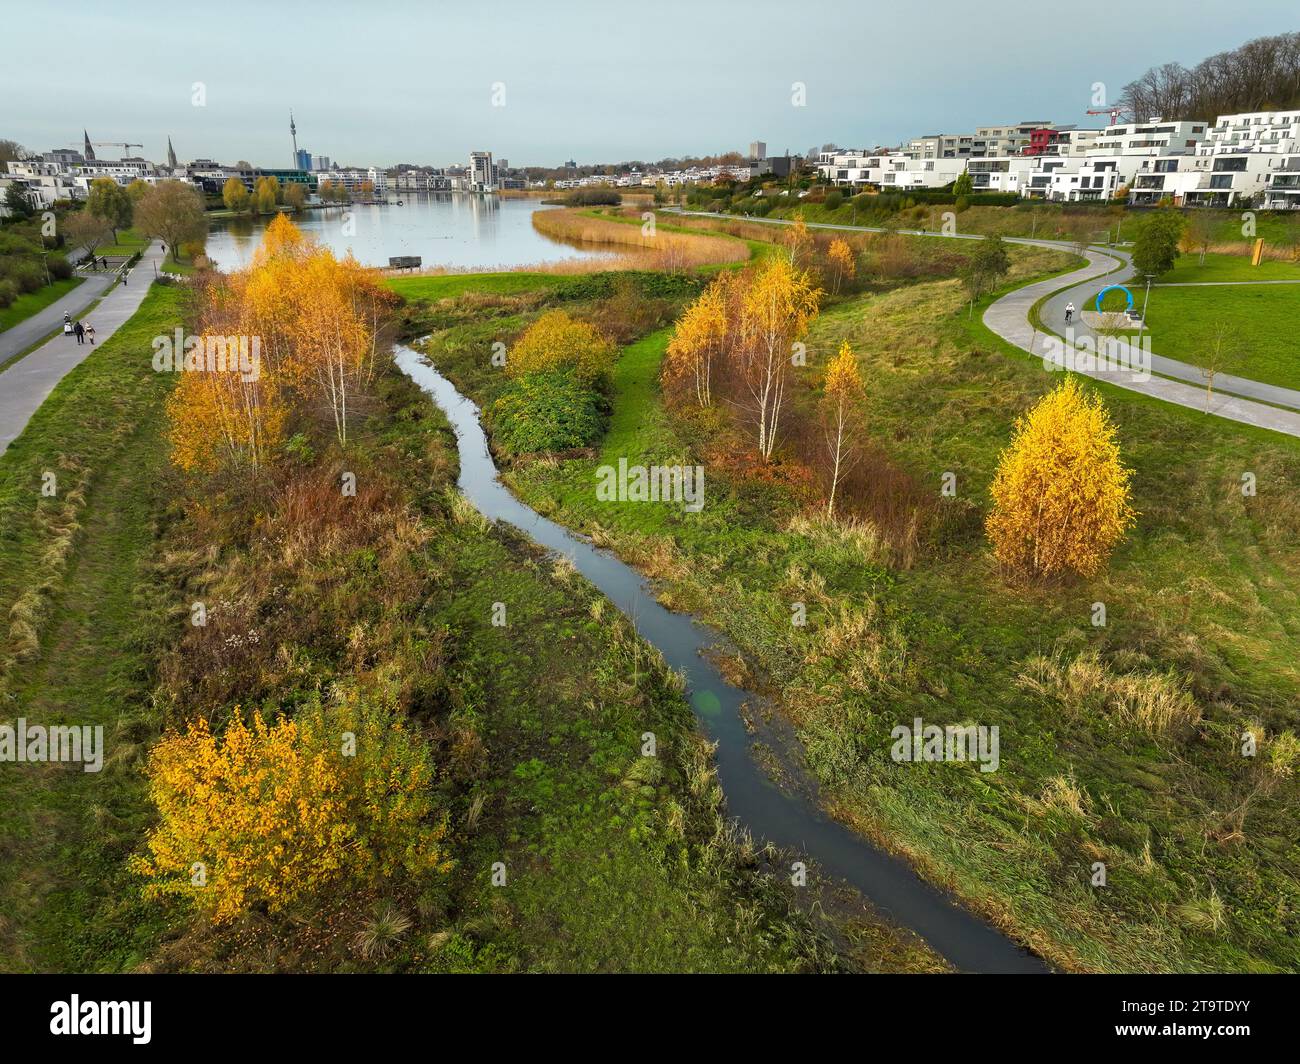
x: 1156, y: 137
x: 757, y: 150
x: 1283, y: 189
x: 482, y: 175
x: 351, y: 179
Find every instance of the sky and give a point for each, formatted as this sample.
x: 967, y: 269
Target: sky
x: 381, y: 82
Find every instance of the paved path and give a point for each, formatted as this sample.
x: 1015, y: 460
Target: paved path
x: 1009, y: 318
x: 25, y: 384
x: 1086, y: 285
x: 45, y: 321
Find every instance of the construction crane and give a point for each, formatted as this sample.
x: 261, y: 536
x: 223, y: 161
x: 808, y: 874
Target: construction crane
x: 1114, y: 113
x: 125, y: 145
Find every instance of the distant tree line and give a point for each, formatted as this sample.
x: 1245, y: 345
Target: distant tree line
x: 1260, y: 75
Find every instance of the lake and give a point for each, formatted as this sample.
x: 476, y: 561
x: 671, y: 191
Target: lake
x: 460, y: 232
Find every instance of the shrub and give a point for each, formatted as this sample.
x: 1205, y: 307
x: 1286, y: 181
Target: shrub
x: 275, y: 813
x: 547, y: 411
x: 1061, y: 493
x: 8, y: 292
x: 834, y: 200
x: 555, y: 341
x: 593, y: 197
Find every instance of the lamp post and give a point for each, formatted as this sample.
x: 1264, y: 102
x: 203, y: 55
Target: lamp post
x: 1145, y: 300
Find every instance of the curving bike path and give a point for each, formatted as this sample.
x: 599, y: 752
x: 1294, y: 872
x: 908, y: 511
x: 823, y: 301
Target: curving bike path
x: 1235, y: 398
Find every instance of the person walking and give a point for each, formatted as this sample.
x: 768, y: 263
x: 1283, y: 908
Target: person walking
x: 67, y: 328
x: 1069, y: 312
x: 80, y: 330
x: 90, y: 333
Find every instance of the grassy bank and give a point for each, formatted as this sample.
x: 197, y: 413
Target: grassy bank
x: 73, y: 589
x: 25, y: 306
x: 1200, y: 615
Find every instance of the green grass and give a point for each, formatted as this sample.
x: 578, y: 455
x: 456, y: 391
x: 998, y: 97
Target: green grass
x: 1219, y: 267
x: 31, y: 303
x: 74, y: 565
x: 128, y: 242
x: 1258, y: 319
x: 1201, y: 594
x: 449, y: 285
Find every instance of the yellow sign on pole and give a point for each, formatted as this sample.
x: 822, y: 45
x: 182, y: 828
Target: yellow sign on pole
x: 1258, y: 253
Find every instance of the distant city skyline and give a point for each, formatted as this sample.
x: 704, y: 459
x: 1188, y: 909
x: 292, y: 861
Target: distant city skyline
x: 593, y: 83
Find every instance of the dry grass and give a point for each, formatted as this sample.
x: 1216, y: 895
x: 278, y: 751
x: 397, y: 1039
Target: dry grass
x: 674, y: 251
x: 1155, y: 702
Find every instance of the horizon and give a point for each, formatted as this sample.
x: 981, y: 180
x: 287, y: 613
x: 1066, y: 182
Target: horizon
x: 515, y: 99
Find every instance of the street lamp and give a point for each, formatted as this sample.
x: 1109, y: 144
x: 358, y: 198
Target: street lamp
x: 1145, y: 300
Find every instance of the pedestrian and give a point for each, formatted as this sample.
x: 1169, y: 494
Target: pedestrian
x: 67, y: 328
x: 80, y: 330
x: 66, y: 317
x: 123, y: 278
x: 90, y: 333
x: 1069, y: 312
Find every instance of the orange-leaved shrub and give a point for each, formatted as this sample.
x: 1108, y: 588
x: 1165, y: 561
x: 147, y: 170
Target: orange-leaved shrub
x: 263, y: 816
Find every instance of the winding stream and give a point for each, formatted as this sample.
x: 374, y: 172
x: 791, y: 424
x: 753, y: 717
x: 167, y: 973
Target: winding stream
x: 770, y: 813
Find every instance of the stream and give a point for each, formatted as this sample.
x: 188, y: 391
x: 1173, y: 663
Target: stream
x: 788, y: 821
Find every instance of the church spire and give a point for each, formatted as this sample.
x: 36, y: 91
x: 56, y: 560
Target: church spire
x: 171, y: 154
x: 87, y: 151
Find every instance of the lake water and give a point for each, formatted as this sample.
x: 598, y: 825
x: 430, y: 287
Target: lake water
x: 456, y: 231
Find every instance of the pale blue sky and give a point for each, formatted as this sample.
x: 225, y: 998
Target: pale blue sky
x: 379, y: 82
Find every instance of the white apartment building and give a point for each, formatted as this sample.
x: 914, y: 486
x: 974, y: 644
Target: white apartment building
x: 1156, y: 137
x: 482, y: 174
x: 1095, y: 178
x: 1283, y: 189
x: 353, y: 178
x: 854, y: 167
x: 1244, y: 158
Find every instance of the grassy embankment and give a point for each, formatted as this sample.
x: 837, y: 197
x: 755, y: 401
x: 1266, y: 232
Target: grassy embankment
x: 616, y: 861
x: 80, y: 633
x: 1120, y: 744
x: 31, y: 303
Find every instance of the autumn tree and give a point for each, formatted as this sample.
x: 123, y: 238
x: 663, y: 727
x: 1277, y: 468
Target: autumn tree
x: 982, y: 271
x: 108, y: 200
x: 776, y: 308
x: 556, y: 340
x: 798, y: 241
x: 1061, y: 492
x: 295, y: 196
x: 220, y: 419
x: 266, y: 194
x: 698, y: 340
x: 85, y: 230
x: 842, y: 262
x: 275, y: 813
x: 234, y: 194
x: 1220, y: 352
x: 842, y: 397
x: 172, y: 211
x: 1199, y: 235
